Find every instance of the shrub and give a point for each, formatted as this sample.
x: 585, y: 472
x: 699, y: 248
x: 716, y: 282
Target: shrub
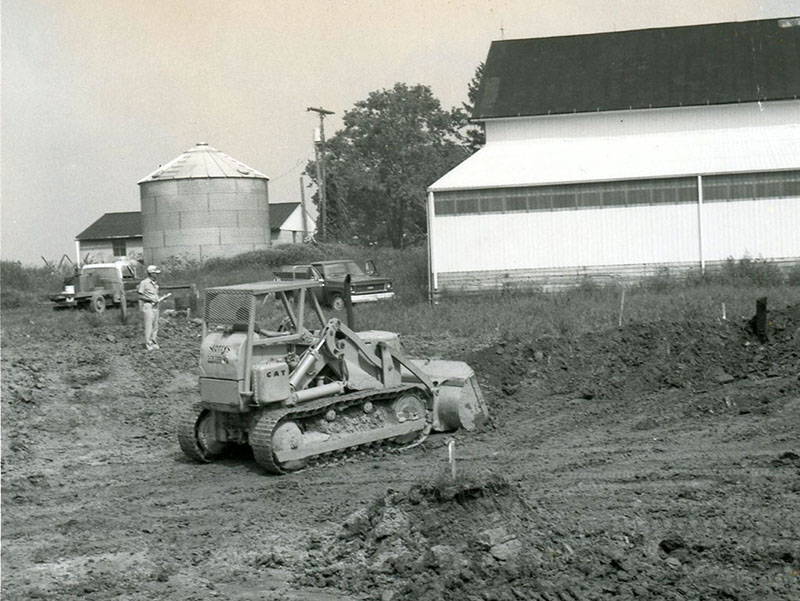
x: 22, y: 285
x: 662, y: 281
x: 11, y: 298
x: 408, y: 268
x: 14, y: 275
x: 758, y: 272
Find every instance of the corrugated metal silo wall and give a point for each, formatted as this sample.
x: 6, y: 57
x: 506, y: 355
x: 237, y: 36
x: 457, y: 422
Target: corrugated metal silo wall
x: 197, y: 219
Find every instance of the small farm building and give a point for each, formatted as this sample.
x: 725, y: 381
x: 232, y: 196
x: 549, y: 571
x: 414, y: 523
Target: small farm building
x: 287, y: 223
x: 618, y: 155
x: 204, y: 204
x: 113, y: 236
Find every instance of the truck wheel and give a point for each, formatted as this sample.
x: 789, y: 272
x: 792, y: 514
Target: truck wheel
x: 337, y: 302
x: 97, y: 304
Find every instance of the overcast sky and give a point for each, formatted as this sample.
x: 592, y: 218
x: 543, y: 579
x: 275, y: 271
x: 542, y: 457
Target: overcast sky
x: 97, y: 94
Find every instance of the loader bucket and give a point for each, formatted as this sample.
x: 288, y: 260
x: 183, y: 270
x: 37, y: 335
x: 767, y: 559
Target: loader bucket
x: 459, y: 402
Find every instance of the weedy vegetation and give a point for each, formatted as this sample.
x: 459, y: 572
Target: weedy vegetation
x: 727, y: 292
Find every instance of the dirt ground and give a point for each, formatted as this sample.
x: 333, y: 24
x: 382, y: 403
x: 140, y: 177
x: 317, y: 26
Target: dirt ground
x: 651, y: 461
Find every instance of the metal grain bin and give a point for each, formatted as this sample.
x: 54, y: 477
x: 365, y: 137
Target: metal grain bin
x: 203, y: 204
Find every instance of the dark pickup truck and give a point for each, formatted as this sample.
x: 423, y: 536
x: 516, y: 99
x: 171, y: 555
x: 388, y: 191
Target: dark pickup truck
x: 365, y: 284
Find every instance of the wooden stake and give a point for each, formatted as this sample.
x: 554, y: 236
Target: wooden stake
x: 621, y: 307
x: 451, y: 452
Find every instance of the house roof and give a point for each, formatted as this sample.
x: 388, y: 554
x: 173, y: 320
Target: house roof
x: 693, y: 65
x: 636, y: 156
x: 114, y: 225
x: 279, y: 213
x: 129, y: 225
x: 202, y: 161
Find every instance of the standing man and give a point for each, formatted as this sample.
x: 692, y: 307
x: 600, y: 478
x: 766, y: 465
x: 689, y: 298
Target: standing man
x: 148, y: 301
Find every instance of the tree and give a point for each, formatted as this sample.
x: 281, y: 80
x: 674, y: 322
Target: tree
x: 475, y: 134
x: 392, y: 146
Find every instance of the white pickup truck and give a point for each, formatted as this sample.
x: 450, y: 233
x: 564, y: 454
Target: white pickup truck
x: 100, y: 285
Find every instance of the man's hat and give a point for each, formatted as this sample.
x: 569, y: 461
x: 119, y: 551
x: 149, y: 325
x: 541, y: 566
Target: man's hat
x: 153, y: 269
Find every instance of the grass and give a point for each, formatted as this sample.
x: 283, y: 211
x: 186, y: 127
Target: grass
x: 569, y: 313
x: 480, y: 319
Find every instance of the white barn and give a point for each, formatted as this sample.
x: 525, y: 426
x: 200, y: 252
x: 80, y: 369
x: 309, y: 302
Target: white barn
x: 619, y: 155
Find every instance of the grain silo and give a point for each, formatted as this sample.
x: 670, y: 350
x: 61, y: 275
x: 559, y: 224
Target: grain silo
x: 203, y: 204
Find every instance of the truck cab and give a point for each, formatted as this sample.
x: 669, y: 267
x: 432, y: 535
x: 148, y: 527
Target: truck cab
x: 365, y: 283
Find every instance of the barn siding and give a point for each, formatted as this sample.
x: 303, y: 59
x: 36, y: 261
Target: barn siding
x: 755, y: 228
x: 563, y: 239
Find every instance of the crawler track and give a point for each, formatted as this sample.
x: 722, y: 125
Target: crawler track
x: 263, y: 433
x: 187, y: 433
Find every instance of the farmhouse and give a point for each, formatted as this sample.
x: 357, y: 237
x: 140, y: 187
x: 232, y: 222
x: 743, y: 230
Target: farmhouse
x: 113, y: 236
x: 619, y: 155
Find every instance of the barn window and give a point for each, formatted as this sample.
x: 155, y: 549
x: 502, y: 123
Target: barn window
x: 517, y: 202
x: 444, y: 206
x: 638, y: 193
x: 613, y: 194
x: 542, y: 201
x: 686, y: 189
x: 594, y: 195
x: 751, y: 186
x: 467, y: 205
x: 590, y: 197
x: 562, y: 200
x: 492, y: 204
x: 119, y: 248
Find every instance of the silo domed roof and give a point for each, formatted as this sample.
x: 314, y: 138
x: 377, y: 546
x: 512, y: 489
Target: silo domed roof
x: 201, y: 162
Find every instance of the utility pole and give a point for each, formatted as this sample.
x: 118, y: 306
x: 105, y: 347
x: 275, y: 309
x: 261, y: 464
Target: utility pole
x: 321, y: 168
x: 303, y: 209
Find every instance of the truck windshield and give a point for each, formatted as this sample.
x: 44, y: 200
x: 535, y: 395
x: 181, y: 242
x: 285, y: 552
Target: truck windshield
x: 340, y: 270
x: 104, y: 273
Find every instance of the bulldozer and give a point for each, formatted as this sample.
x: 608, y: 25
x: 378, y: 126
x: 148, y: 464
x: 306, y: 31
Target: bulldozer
x: 295, y: 394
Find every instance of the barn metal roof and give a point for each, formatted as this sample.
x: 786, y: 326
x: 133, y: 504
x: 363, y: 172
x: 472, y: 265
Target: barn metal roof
x: 114, y: 225
x: 279, y: 213
x: 560, y: 160
x: 200, y: 162
x: 694, y: 65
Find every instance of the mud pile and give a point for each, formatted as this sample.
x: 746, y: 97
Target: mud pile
x: 479, y: 539
x: 640, y: 358
x: 444, y: 540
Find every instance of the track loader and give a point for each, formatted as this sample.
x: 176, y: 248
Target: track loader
x: 294, y: 394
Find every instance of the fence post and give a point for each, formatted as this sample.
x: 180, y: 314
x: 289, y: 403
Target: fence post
x: 760, y: 319
x: 124, y: 305
x: 348, y: 303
